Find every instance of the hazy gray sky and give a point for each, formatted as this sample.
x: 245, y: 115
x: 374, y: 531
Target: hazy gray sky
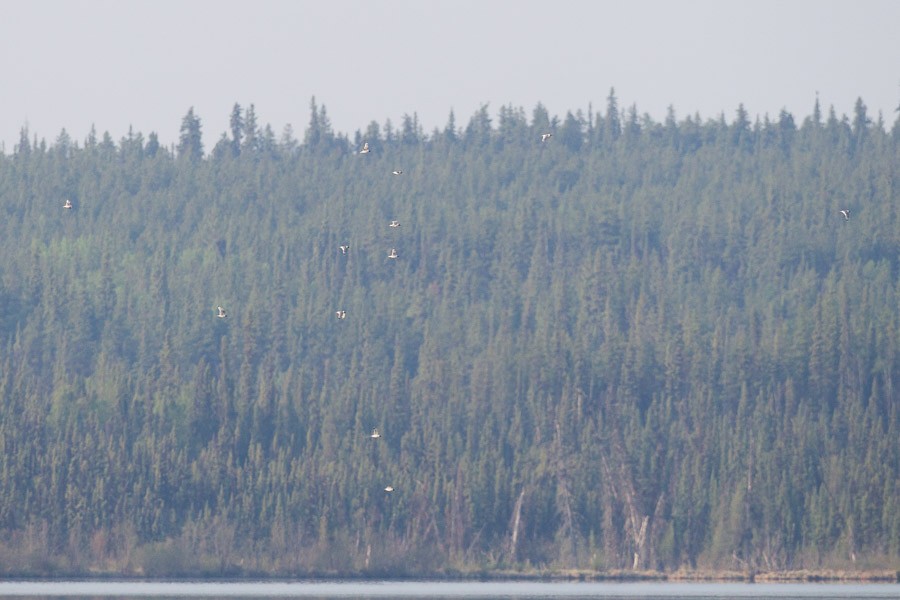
x: 143, y: 63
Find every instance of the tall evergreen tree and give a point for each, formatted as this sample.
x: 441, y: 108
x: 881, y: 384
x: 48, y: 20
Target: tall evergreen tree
x: 612, y: 123
x: 190, y: 141
x: 236, y: 123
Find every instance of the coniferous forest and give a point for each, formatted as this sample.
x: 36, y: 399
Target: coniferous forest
x: 633, y: 346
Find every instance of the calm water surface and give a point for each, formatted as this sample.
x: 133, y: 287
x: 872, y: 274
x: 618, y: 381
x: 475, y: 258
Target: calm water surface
x: 106, y: 590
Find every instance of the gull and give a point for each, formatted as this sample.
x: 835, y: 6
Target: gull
x: 546, y: 136
x: 393, y: 253
x: 389, y: 488
x: 68, y: 204
x: 397, y: 172
x: 845, y: 212
x: 341, y: 314
x: 375, y: 435
x: 394, y: 224
x: 221, y: 314
x: 344, y: 248
x: 365, y: 148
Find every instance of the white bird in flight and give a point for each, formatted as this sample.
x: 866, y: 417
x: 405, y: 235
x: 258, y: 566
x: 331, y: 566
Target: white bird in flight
x: 389, y: 488
x: 397, y: 172
x: 341, y: 314
x: 394, y: 224
x: 365, y: 148
x: 344, y: 248
x: 393, y: 253
x: 845, y: 212
x: 221, y: 312
x: 68, y: 204
x: 375, y: 435
x: 546, y: 136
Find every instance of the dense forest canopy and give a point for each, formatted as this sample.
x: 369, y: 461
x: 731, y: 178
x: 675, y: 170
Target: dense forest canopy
x: 634, y: 345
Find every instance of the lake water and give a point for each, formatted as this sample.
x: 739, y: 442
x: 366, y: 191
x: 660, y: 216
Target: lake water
x: 57, y: 590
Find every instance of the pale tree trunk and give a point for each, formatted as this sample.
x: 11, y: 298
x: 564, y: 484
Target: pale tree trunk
x: 458, y: 518
x: 516, y: 523
x: 639, y: 525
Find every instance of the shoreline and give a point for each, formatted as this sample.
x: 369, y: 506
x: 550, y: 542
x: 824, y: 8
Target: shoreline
x: 873, y: 576
x: 700, y: 576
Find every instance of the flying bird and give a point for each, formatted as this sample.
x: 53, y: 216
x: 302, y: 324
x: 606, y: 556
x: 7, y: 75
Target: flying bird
x: 389, y: 489
x: 393, y: 253
x: 375, y: 435
x: 546, y: 136
x: 344, y: 248
x: 365, y: 148
x: 68, y: 204
x: 394, y: 224
x: 845, y: 212
x: 221, y: 312
x: 397, y: 172
x: 341, y: 314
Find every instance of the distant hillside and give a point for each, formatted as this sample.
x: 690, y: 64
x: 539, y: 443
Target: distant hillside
x: 634, y: 345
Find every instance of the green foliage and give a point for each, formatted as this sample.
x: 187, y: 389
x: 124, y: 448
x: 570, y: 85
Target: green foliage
x: 633, y: 345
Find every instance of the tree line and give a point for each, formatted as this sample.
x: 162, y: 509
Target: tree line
x: 635, y: 345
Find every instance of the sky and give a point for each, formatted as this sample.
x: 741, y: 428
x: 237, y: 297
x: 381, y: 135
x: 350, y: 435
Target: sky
x: 142, y: 64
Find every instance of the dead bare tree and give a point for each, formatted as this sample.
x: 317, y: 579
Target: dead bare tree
x: 515, y: 525
x: 639, y: 521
